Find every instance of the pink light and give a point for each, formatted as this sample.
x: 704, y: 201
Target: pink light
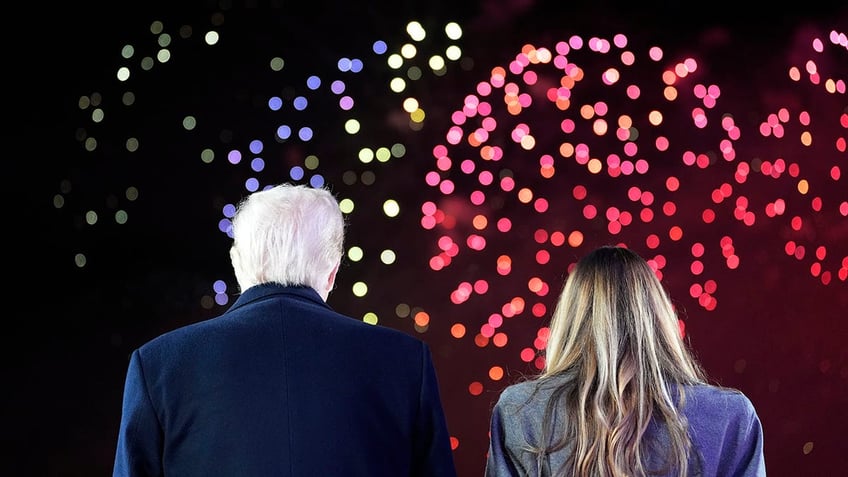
x: 652, y: 241
x: 454, y: 135
x: 478, y: 197
x: 697, y: 267
x: 446, y: 187
x: 495, y: 320
x: 540, y: 235
x: 436, y: 263
x: 557, y: 239
x: 458, y: 118
x: 485, y: 178
x: 484, y: 88
x: 655, y: 53
x: 695, y: 290
x: 443, y: 163
x: 476, y: 242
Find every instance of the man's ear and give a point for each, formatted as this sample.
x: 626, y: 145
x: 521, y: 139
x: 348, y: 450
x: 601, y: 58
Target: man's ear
x: 331, y: 280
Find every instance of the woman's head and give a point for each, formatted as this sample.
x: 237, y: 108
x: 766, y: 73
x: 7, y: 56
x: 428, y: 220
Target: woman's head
x: 288, y: 234
x: 615, y: 336
x: 615, y: 317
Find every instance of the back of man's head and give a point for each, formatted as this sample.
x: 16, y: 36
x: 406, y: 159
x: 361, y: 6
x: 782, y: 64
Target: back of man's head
x: 288, y: 234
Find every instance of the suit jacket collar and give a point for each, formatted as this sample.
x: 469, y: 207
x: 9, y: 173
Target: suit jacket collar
x: 268, y: 290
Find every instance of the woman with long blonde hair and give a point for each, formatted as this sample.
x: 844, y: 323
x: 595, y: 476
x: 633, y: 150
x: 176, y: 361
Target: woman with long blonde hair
x: 620, y: 394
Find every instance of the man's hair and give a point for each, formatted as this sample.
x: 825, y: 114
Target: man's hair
x: 287, y: 234
x: 615, y: 336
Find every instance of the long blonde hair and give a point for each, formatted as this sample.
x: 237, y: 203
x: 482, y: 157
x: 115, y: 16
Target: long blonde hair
x: 615, y: 336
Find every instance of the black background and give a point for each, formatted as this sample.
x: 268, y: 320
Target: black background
x: 778, y: 334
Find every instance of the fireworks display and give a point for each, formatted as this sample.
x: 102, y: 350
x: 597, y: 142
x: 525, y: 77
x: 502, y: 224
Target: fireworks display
x: 472, y: 180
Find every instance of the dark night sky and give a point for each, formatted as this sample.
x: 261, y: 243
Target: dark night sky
x: 778, y: 333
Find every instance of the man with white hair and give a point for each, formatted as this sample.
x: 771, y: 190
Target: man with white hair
x: 280, y: 384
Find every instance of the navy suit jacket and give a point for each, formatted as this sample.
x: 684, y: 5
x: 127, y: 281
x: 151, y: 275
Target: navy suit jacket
x: 281, y: 385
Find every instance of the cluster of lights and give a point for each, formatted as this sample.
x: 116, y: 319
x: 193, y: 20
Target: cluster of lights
x: 564, y: 147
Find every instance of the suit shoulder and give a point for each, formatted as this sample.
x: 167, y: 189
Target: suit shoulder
x: 177, y: 338
x: 384, y: 332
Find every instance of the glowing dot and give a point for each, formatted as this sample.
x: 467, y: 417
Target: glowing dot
x: 475, y: 388
x: 422, y: 318
x: 575, y: 238
x: 458, y: 330
x: 652, y: 241
x: 391, y: 208
x: 355, y: 254
x: 496, y: 373
x: 579, y: 192
x: 695, y: 290
x: 808, y: 447
x: 540, y: 236
x: 535, y: 284
x: 495, y: 320
x: 733, y: 262
x: 557, y: 238
x: 360, y: 289
x: 675, y: 233
x: 504, y: 264
x: 388, y: 257
x: 370, y: 318
x: 697, y: 267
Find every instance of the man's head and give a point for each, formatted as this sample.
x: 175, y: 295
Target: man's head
x: 288, y: 234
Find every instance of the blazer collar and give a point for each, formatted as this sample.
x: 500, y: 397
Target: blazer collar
x: 268, y: 290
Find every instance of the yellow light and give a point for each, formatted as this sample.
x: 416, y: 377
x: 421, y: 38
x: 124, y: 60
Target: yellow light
x: 410, y: 105
x: 355, y: 253
x: 346, y: 206
x: 388, y: 256
x: 391, y: 208
x: 359, y: 289
x: 453, y: 31
x: 352, y: 126
x: 416, y: 31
